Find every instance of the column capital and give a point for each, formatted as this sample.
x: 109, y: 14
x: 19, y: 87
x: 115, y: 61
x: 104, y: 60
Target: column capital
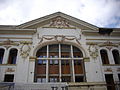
x: 32, y: 58
x: 86, y: 59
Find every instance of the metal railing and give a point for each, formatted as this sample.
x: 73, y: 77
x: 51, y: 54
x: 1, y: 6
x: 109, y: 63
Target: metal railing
x: 6, y: 86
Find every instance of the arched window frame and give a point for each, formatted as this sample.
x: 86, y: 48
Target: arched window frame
x: 13, y: 62
x: 82, y: 76
x: 107, y: 61
x: 2, y: 56
x: 114, y: 57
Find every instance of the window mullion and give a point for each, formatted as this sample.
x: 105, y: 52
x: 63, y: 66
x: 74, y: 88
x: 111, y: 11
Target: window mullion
x: 60, y: 63
x: 47, y: 64
x: 73, y: 72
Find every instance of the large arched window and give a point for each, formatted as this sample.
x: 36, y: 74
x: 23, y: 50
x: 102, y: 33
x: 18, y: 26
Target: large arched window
x: 104, y: 56
x: 59, y: 63
x: 116, y: 56
x: 1, y: 55
x: 12, y: 56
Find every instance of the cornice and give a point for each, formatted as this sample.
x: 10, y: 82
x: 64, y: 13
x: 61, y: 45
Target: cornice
x: 7, y: 64
x: 116, y: 32
x: 103, y: 39
x: 103, y: 44
x: 111, y: 65
x: 17, y: 31
x: 9, y: 42
x: 8, y: 26
x: 15, y: 37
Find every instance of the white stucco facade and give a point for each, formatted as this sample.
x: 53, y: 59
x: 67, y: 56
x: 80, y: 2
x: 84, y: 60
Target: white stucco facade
x: 59, y: 28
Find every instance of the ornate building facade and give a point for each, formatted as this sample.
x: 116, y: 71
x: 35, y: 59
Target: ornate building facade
x: 59, y: 52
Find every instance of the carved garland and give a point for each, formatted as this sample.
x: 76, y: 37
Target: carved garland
x: 58, y: 38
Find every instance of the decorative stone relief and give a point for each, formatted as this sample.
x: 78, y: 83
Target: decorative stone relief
x: 9, y: 70
x: 93, y: 51
x: 59, y: 22
x: 25, y: 48
x: 8, y: 43
x: 108, y: 70
x: 58, y: 38
x: 109, y: 45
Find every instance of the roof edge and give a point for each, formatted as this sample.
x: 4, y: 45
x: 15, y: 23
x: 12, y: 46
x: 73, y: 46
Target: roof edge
x: 35, y: 21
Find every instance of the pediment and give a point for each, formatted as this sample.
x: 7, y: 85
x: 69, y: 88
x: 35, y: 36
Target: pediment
x: 57, y: 20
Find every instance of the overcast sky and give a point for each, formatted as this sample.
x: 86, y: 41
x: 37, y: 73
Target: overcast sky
x: 102, y: 13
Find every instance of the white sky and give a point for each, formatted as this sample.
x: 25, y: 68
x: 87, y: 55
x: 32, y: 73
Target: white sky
x: 102, y: 13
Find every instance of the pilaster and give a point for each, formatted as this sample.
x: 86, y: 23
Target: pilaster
x: 31, y: 69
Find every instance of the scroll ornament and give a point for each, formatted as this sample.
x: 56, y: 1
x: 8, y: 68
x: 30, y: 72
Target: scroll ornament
x: 25, y: 50
x: 93, y: 51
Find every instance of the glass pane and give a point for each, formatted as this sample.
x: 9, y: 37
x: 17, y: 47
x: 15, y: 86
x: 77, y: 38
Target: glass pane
x: 53, y: 51
x: 53, y: 79
x: 77, y: 53
x: 43, y: 80
x: 44, y: 56
x: 42, y: 52
x: 39, y: 80
x: 65, y: 51
x: 12, y: 56
x: 104, y: 56
x: 39, y: 62
x: 51, y: 62
x: 54, y: 48
x: 44, y: 61
x: 79, y: 78
x: 1, y: 55
x: 9, y: 78
x: 116, y: 56
x: 65, y: 62
x: 66, y: 79
x: 55, y: 61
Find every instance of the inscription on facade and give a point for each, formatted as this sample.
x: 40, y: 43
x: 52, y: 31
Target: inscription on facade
x: 62, y: 88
